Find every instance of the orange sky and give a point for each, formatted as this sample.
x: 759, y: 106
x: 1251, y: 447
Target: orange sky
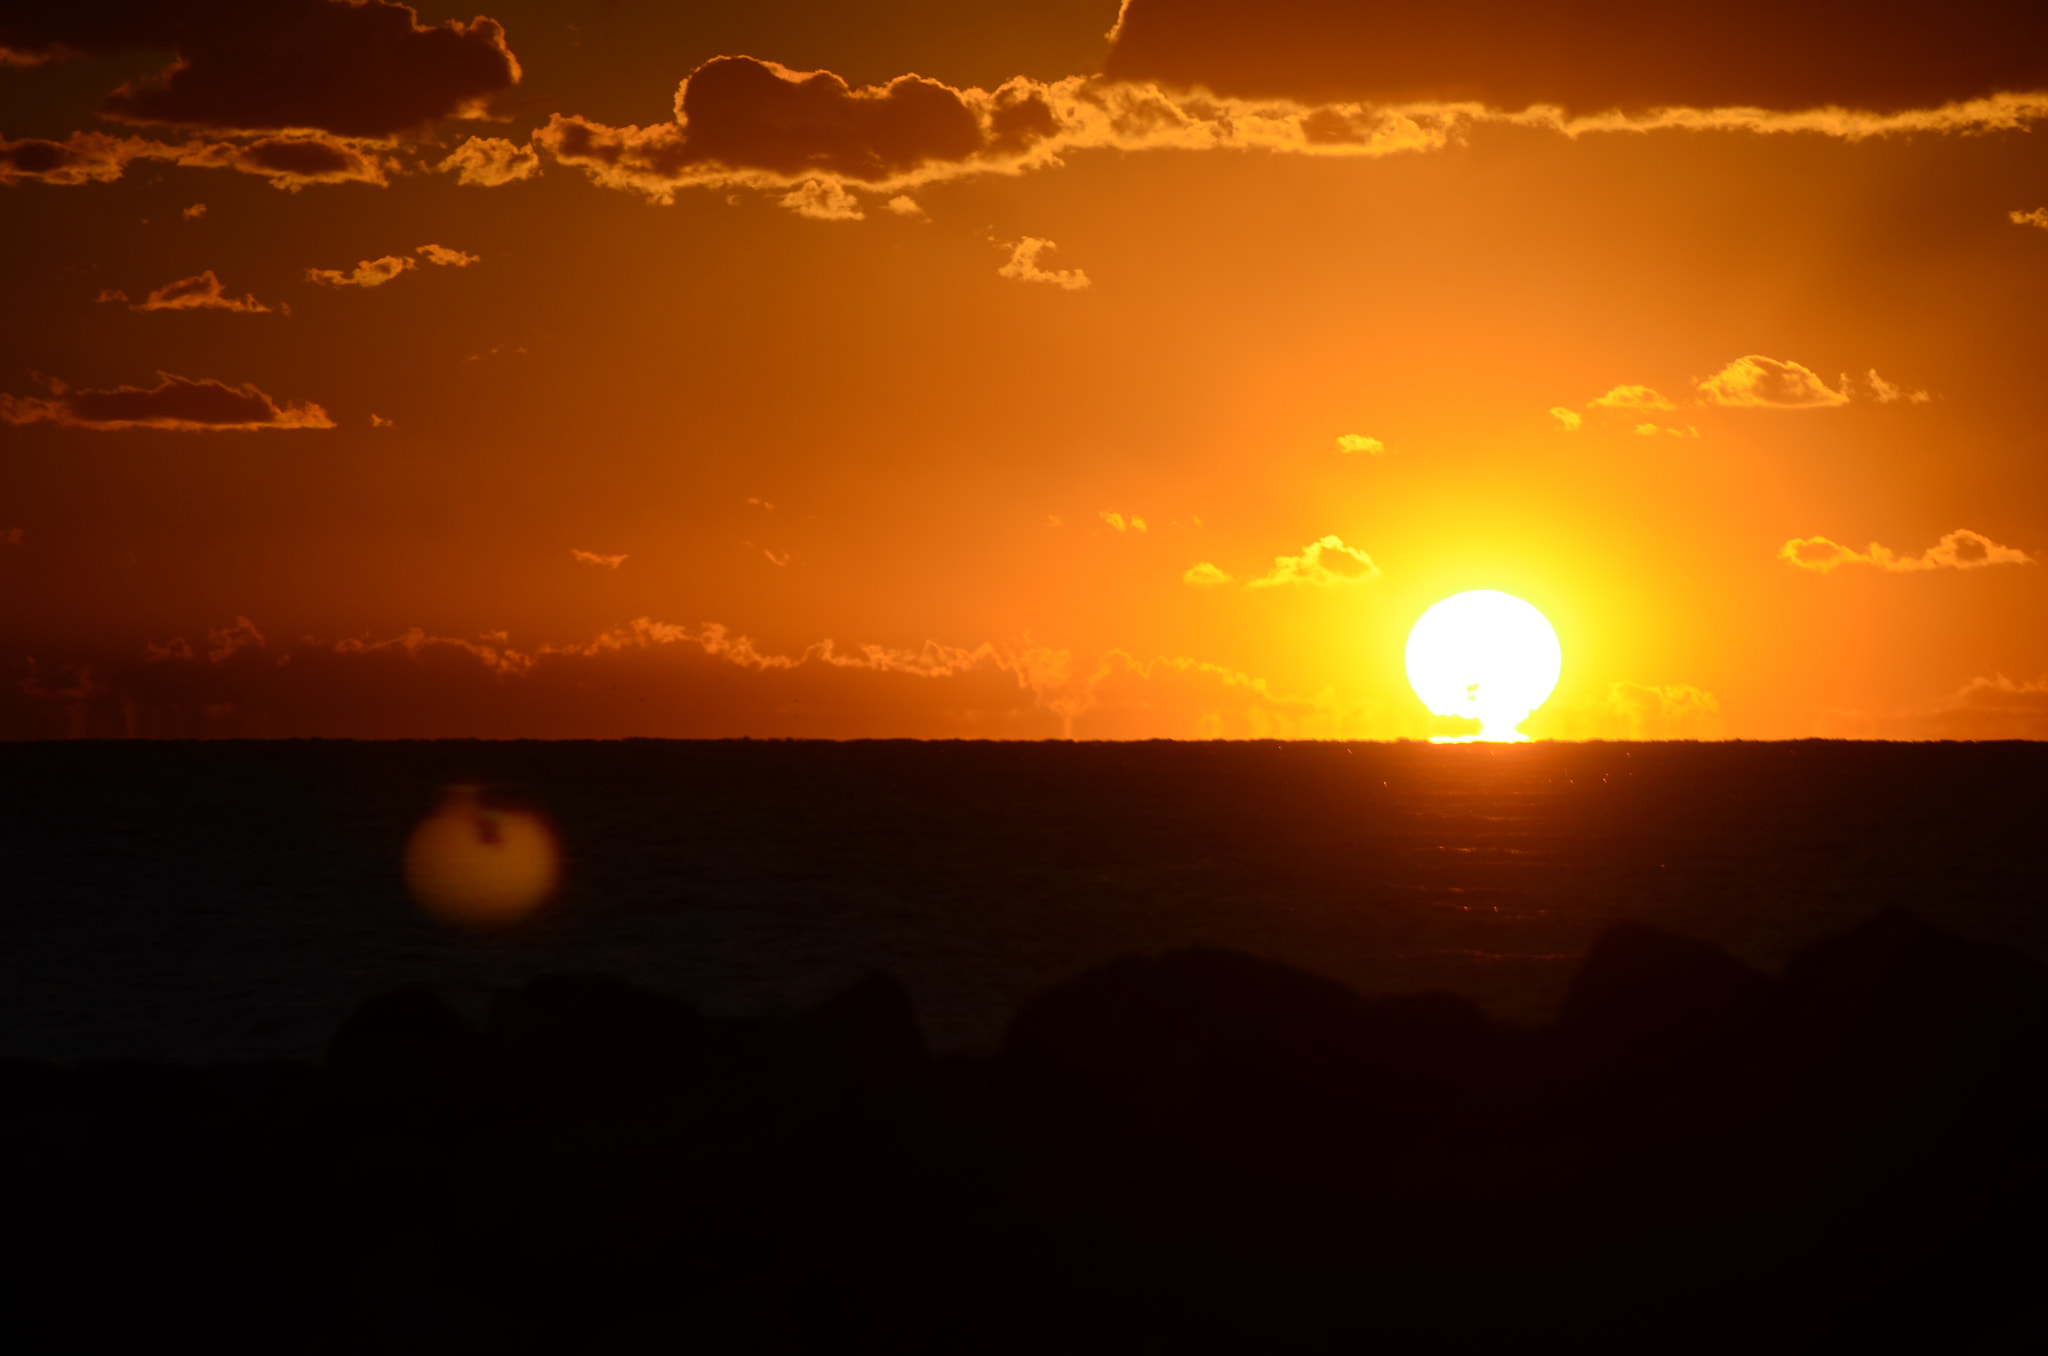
x: 615, y: 368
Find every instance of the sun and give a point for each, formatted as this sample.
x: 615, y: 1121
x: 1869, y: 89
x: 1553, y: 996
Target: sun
x: 1486, y: 656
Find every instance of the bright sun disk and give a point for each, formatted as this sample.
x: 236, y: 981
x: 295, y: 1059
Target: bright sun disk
x: 1485, y: 656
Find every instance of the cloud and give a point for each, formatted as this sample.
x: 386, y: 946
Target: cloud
x: 173, y: 403
x: 491, y: 162
x: 200, y: 293
x: 1352, y: 443
x: 1888, y: 394
x: 377, y: 272
x: 1961, y: 549
x: 749, y: 123
x: 1023, y: 266
x: 1631, y: 398
x: 593, y: 558
x: 1588, y: 55
x: 360, y: 68
x: 2037, y: 217
x: 1203, y: 575
x: 367, y: 272
x: 905, y: 206
x: 1569, y: 421
x: 652, y: 678
x: 1119, y: 523
x: 442, y: 255
x: 379, y: 421
x: 12, y: 536
x: 1996, y: 707
x: 294, y: 163
x: 194, y: 212
x: 1629, y: 710
x: 1323, y: 563
x: 1759, y: 383
x: 823, y: 200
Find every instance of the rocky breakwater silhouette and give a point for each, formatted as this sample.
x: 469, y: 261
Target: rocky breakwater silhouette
x: 1193, y: 1151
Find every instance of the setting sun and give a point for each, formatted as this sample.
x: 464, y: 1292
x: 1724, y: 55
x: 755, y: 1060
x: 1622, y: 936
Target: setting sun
x: 1485, y: 656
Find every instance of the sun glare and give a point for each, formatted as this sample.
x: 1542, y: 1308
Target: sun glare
x: 1486, y: 656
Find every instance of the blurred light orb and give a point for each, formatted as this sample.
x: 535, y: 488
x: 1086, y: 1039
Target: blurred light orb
x: 478, y: 864
x: 1486, y: 656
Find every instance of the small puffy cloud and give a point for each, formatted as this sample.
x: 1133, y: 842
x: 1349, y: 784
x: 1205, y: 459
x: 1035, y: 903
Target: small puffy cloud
x: 761, y: 504
x: 1353, y: 443
x: 441, y: 254
x: 1568, y: 421
x: 1024, y: 267
x: 904, y: 206
x: 823, y: 200
x: 11, y: 536
x: 1759, y: 383
x: 490, y: 162
x: 367, y: 272
x: 593, y: 558
x: 1203, y: 575
x: 1120, y: 523
x: 173, y: 403
x: 1646, y: 430
x: 2037, y: 217
x: 200, y: 293
x: 379, y: 421
x: 365, y: 68
x: 194, y: 212
x: 1961, y: 549
x: 1323, y: 563
x: 1631, y: 398
x: 1885, y: 393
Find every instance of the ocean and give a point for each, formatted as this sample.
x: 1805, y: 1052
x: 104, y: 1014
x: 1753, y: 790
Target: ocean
x: 229, y: 901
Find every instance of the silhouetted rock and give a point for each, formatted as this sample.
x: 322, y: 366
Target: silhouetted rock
x: 1195, y: 1151
x: 404, y: 1045
x: 583, y: 1046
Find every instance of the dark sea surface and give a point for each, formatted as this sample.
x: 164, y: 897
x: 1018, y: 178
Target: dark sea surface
x: 229, y: 901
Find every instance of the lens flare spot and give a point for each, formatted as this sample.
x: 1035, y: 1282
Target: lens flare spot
x: 478, y: 864
x: 1485, y: 656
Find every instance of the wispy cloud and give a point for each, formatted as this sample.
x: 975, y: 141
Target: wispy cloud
x: 1568, y: 421
x: 1355, y: 443
x: 367, y: 273
x: 1885, y: 393
x: 593, y: 558
x: 1024, y: 266
x: 491, y: 162
x: 1961, y: 549
x: 1121, y: 523
x: 1203, y: 575
x: 202, y: 292
x: 2037, y: 217
x: 1324, y: 563
x: 1631, y: 398
x: 173, y: 403
x: 823, y: 200
x: 1760, y: 383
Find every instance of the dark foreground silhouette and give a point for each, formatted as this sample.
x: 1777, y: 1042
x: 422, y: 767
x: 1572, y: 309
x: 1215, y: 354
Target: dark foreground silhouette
x: 1197, y: 1151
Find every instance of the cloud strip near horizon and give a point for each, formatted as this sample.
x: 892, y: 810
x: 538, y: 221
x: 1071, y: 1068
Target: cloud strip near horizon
x: 650, y: 677
x: 1961, y: 549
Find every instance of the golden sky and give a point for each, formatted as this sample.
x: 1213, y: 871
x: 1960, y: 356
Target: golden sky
x: 1003, y: 369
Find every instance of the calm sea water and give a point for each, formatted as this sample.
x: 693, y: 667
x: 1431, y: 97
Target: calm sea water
x: 213, y: 901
